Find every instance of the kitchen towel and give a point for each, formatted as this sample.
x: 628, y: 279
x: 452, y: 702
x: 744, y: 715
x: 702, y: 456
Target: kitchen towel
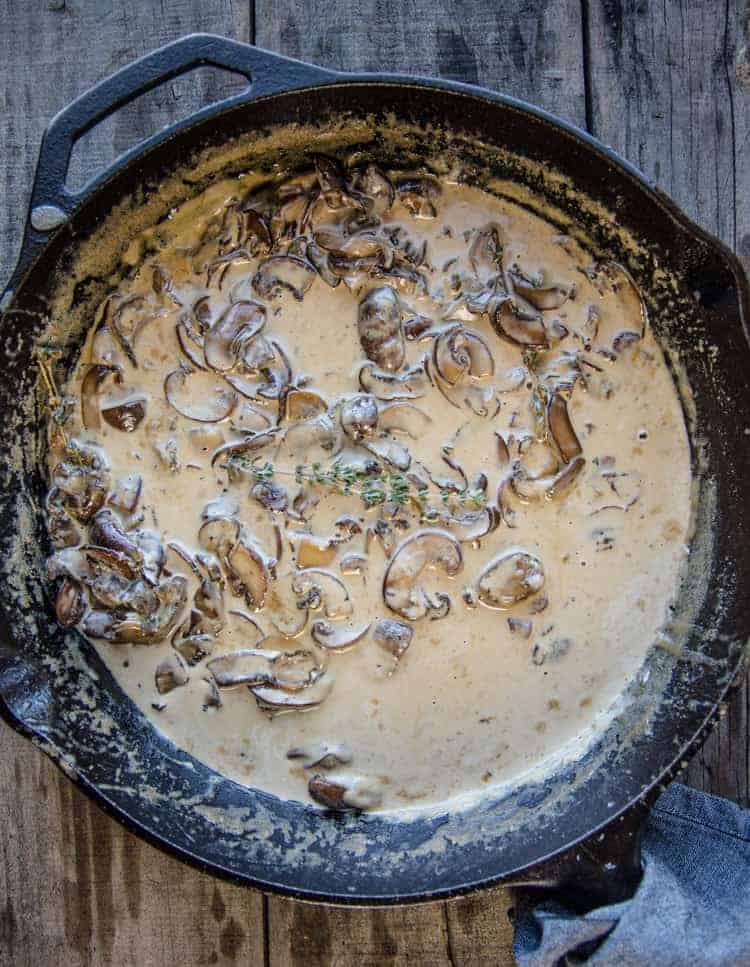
x: 692, y: 905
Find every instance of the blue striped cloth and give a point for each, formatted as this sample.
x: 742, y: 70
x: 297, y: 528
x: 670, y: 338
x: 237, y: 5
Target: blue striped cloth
x: 691, y: 909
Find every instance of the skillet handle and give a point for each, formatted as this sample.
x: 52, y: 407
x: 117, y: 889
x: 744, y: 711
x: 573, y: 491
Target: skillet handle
x: 267, y: 73
x: 602, y: 870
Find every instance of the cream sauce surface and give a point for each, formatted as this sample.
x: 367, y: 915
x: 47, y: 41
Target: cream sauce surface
x: 482, y: 696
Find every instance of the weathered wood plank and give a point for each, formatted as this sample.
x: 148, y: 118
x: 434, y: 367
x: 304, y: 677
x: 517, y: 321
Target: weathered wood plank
x: 53, y: 50
x: 75, y: 887
x: 527, y: 48
x: 665, y: 91
x: 535, y: 51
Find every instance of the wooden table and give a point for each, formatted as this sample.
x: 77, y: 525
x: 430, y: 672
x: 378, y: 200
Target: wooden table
x: 667, y: 84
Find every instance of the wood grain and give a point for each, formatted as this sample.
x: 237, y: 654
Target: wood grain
x: 668, y: 85
x: 665, y: 92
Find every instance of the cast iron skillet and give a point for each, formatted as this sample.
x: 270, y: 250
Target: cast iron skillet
x: 54, y: 689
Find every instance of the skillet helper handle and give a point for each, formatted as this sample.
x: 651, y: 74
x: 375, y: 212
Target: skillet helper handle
x: 602, y: 870
x: 267, y: 73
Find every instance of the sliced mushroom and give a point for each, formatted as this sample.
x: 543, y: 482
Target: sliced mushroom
x: 341, y: 795
x: 474, y: 524
x: 359, y: 417
x: 393, y: 636
x: 404, y: 417
x: 322, y: 755
x: 459, y: 353
x: 248, y: 574
x: 270, y: 495
x: 126, y: 493
x: 95, y: 376
x: 427, y: 549
x: 70, y: 603
x: 81, y: 481
x: 311, y: 550
x: 486, y: 252
x: 219, y: 535
x: 199, y: 396
x: 225, y: 341
x: 170, y: 674
x: 418, y: 195
x: 140, y: 629
x: 380, y: 330
x: 333, y: 639
x: 408, y: 385
x: 279, y: 272
x: 308, y: 442
x: 106, y: 531
x: 391, y: 452
x: 300, y: 404
x: 128, y: 320
x: 277, y: 700
x: 509, y: 578
x: 190, y: 348
x: 552, y: 487
x: 561, y: 428
x: 512, y: 320
x: 542, y: 298
x: 374, y: 183
x: 613, y: 279
x: 318, y: 257
x: 331, y: 589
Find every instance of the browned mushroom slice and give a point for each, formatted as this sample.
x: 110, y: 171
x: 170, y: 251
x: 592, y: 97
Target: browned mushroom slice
x: 129, y: 319
x: 199, y: 396
x: 393, y: 636
x: 429, y: 549
x: 518, y: 324
x: 345, y: 793
x: 278, y: 700
x: 189, y: 347
x: 335, y: 639
x: 126, y: 493
x: 140, y: 629
x: 561, y: 428
x: 380, y: 330
x: 542, y: 298
x: 270, y: 495
x: 226, y: 340
x: 219, y: 535
x: 81, y: 480
x: 374, y: 183
x: 415, y: 327
x: 255, y: 443
x: 486, y: 252
x: 293, y: 671
x: 249, y: 666
x: 310, y: 441
x: 248, y: 574
x: 279, y: 272
x: 95, y: 376
x: 125, y: 416
x: 170, y: 674
x: 613, y: 279
x: 330, y: 589
x: 333, y: 184
x: 257, y: 228
x: 459, y: 352
x: 250, y: 418
x: 192, y: 647
x: 474, y: 524
x: 353, y: 564
x: 106, y: 531
x: 359, y: 417
x: 301, y: 404
x: 404, y: 417
x: 70, y: 603
x: 418, y: 195
x: 318, y: 257
x: 310, y: 550
x: 390, y: 451
x: 509, y: 578
x: 322, y: 755
x: 552, y: 487
x: 411, y: 384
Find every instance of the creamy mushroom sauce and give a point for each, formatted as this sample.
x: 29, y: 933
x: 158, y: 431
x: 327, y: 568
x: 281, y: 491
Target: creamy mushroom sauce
x: 486, y: 530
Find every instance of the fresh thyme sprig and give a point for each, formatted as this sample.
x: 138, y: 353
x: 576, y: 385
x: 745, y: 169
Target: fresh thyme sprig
x: 373, y: 485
